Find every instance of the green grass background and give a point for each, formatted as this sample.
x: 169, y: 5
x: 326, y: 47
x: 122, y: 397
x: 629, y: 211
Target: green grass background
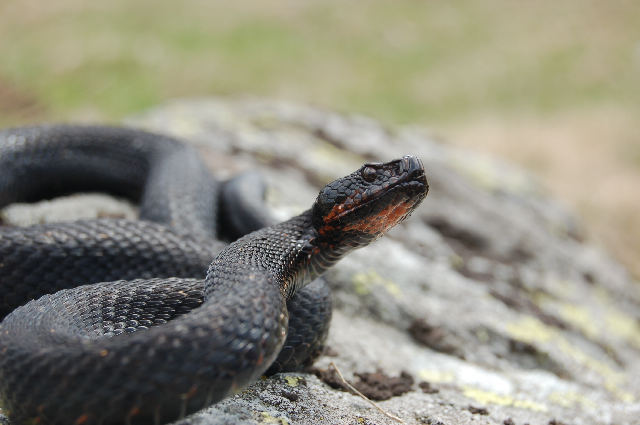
x: 401, y: 61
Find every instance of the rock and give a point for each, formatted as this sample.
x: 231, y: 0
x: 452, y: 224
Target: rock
x: 488, y: 297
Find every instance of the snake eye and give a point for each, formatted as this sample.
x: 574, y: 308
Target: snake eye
x: 368, y: 174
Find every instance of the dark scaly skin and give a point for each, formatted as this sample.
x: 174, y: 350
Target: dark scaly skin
x: 47, y: 258
x: 151, y: 351
x: 168, y: 179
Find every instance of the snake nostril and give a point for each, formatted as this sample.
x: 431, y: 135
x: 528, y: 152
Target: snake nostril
x: 410, y: 164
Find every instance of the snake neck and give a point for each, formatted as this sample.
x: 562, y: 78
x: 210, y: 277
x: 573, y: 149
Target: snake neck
x: 291, y: 254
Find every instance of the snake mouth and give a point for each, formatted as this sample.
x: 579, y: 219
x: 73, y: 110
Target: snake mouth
x: 403, y: 199
x: 375, y: 211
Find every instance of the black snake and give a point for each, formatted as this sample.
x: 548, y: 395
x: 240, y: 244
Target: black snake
x: 157, y: 342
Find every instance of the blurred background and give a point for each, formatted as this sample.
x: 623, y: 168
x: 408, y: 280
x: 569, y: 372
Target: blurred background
x: 552, y: 86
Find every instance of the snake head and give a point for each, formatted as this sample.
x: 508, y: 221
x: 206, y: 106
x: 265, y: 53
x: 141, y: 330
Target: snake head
x: 360, y: 207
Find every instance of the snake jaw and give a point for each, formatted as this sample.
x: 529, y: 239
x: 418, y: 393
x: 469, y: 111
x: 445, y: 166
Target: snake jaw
x: 371, y: 200
x: 386, y: 219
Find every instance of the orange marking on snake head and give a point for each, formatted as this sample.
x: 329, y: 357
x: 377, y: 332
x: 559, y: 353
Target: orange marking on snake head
x: 81, y: 419
x: 326, y: 229
x: 336, y: 211
x: 384, y: 220
x: 355, y: 199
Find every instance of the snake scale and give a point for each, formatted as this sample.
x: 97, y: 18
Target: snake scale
x: 113, y: 321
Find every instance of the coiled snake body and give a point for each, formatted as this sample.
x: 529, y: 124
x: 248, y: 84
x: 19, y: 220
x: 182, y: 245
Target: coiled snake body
x: 158, y: 339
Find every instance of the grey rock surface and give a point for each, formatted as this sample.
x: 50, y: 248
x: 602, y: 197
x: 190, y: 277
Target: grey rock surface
x: 489, y: 292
